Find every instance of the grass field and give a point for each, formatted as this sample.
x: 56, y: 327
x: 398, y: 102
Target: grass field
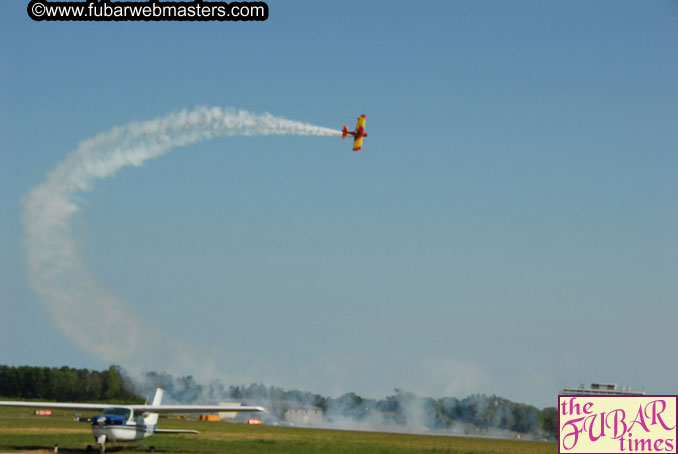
x: 21, y: 431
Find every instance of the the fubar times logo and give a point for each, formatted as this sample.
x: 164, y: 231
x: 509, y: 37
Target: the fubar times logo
x: 617, y: 424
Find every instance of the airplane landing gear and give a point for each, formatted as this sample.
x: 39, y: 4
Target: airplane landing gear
x: 102, y: 444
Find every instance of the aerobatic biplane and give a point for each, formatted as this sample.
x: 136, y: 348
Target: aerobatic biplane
x: 358, y: 134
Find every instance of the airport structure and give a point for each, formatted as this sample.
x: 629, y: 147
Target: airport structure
x: 602, y: 389
x: 307, y: 416
x: 229, y: 414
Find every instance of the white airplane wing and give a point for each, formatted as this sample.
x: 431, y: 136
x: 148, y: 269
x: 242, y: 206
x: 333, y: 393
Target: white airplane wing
x: 57, y: 405
x: 175, y: 431
x: 136, y: 408
x: 191, y: 408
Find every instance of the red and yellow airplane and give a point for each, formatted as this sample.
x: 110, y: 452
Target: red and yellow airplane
x: 358, y: 134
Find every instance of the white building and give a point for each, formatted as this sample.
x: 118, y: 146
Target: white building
x: 602, y: 389
x: 229, y: 414
x: 308, y: 416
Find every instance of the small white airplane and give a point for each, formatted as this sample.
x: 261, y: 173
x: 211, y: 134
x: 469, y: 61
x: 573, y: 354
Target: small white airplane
x: 131, y: 422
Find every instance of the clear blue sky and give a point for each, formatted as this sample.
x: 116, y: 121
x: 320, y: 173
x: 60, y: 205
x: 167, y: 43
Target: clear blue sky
x: 509, y: 228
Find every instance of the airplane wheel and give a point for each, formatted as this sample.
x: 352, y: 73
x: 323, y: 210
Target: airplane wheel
x: 89, y: 448
x: 151, y: 449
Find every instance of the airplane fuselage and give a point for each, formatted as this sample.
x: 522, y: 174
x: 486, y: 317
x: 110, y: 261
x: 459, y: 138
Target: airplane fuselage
x: 132, y: 432
x: 121, y: 424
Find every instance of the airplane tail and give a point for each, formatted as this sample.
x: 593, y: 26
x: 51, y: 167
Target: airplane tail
x: 152, y: 418
x: 344, y: 132
x: 157, y: 399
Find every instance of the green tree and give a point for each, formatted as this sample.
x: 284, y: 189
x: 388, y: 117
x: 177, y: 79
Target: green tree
x: 549, y: 421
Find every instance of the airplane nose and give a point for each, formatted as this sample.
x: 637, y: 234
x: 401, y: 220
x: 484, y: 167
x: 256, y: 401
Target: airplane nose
x: 101, y: 420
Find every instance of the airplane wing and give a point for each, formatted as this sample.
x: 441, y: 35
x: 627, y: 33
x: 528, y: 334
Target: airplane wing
x: 136, y: 408
x: 190, y: 408
x: 357, y: 143
x: 174, y: 431
x: 57, y: 405
x: 360, y: 123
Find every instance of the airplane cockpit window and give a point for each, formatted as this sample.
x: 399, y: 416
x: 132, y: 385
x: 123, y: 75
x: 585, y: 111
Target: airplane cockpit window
x: 124, y: 412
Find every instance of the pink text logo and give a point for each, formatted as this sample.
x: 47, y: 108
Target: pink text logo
x: 617, y: 424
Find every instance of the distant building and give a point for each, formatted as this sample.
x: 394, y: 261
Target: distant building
x: 308, y: 416
x: 229, y: 414
x: 602, y: 389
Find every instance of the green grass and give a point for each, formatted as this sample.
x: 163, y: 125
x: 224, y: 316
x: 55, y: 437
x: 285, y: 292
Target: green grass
x: 21, y: 431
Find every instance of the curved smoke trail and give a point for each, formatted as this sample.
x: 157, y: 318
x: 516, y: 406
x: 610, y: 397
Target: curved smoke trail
x: 82, y: 310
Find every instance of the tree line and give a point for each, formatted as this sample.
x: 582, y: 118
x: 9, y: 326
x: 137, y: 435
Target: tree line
x: 65, y: 384
x: 479, y: 412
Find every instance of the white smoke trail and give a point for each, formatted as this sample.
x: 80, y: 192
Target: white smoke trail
x: 82, y: 310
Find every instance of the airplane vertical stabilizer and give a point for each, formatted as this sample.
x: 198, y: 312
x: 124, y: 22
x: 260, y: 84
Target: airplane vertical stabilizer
x: 157, y: 399
x: 152, y: 418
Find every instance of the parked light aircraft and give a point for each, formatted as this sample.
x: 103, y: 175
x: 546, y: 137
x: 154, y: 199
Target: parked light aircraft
x: 131, y: 422
x: 358, y: 134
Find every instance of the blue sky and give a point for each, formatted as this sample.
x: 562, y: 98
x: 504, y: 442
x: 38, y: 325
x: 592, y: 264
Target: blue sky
x: 509, y: 227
